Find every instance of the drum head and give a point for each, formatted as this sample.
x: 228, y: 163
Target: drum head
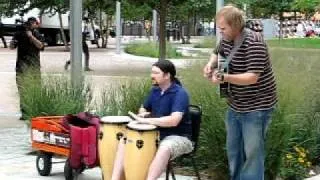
x: 134, y: 125
x: 115, y: 119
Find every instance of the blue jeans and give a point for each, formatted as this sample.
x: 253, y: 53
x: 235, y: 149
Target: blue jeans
x: 246, y: 133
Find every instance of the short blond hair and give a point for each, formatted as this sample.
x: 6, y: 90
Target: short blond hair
x: 233, y: 16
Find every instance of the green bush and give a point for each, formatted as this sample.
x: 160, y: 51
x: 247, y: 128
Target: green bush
x: 127, y: 96
x: 151, y: 49
x: 295, y: 120
x: 53, y: 96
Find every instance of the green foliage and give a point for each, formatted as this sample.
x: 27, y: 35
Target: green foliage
x: 296, y: 120
x: 136, y: 12
x: 94, y: 6
x: 306, y: 6
x: 10, y: 8
x: 150, y: 50
x: 53, y: 96
x: 50, y: 6
x: 295, y: 164
x: 266, y: 8
x: 210, y: 153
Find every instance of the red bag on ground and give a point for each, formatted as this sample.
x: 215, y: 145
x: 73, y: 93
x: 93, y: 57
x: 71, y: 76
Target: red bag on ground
x: 84, y: 129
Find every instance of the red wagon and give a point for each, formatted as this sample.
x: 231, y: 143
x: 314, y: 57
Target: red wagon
x: 52, y: 137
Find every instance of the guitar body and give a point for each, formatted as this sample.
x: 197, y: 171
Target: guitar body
x: 223, y: 67
x: 223, y: 63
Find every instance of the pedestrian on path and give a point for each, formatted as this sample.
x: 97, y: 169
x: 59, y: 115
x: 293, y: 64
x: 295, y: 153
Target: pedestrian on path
x: 251, y: 92
x: 85, y: 50
x: 1, y: 35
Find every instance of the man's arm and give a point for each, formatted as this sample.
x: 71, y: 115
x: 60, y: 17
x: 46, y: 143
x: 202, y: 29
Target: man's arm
x: 256, y: 66
x: 35, y: 41
x: 166, y: 121
x: 242, y: 79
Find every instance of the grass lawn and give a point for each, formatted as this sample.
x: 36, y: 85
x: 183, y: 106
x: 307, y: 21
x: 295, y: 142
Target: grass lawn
x: 314, y: 43
x: 295, y: 43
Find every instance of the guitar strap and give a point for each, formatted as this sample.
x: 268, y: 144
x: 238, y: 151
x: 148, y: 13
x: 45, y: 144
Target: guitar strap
x: 237, y: 45
x: 223, y: 63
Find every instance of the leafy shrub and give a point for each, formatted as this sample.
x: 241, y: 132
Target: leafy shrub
x: 55, y: 95
x: 151, y: 49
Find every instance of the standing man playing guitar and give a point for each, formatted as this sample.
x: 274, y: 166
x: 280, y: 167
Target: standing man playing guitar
x: 250, y: 93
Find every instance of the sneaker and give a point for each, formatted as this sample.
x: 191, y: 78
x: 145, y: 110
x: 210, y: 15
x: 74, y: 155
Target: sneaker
x: 66, y: 65
x: 87, y: 69
x: 22, y: 118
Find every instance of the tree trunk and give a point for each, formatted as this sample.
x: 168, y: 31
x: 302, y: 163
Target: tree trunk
x: 64, y: 39
x: 162, y: 36
x: 182, y: 33
x: 103, y: 43
x: 188, y: 30
x: 280, y: 24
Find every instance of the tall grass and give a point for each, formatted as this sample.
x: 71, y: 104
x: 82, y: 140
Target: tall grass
x: 295, y: 120
x: 119, y: 99
x: 151, y: 49
x: 55, y: 95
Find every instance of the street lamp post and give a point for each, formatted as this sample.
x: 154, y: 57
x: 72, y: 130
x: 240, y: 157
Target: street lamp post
x: 118, y: 27
x: 76, y: 42
x: 219, y: 5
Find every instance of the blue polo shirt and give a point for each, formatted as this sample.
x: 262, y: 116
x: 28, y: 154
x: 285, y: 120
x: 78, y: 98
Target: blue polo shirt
x: 174, y: 99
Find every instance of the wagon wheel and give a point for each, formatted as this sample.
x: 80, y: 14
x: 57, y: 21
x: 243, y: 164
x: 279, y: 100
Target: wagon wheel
x: 44, y: 164
x: 70, y: 173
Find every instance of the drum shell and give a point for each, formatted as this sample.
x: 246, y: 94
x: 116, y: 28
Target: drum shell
x: 108, y: 145
x: 137, y: 160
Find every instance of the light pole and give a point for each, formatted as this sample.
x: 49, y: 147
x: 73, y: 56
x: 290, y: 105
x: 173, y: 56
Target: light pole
x: 219, y: 5
x: 118, y: 27
x: 76, y: 42
x: 154, y: 24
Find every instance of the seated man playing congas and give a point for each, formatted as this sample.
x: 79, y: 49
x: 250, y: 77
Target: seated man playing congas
x: 167, y: 107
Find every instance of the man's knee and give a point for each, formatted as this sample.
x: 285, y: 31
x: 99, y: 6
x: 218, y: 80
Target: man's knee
x: 164, y: 150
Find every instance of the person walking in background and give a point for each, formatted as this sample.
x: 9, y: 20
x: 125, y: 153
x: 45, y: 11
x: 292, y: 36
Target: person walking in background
x: 1, y: 35
x: 251, y: 93
x: 28, y: 42
x: 85, y: 50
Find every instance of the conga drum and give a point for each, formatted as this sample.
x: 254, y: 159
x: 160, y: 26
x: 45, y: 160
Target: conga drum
x: 112, y: 129
x: 140, y: 148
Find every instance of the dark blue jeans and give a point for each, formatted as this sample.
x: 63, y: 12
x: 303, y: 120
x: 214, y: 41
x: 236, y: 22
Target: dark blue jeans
x: 246, y: 133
